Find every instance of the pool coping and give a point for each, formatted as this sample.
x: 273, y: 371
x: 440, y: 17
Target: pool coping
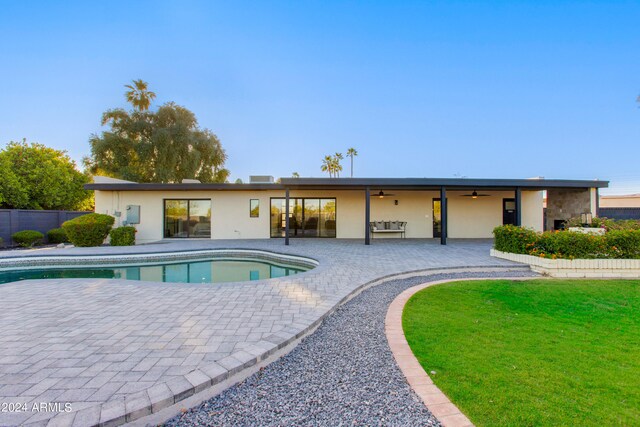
x: 433, y: 398
x: 126, y: 260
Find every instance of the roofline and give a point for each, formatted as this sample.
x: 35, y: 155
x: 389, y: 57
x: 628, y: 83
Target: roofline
x: 360, y: 183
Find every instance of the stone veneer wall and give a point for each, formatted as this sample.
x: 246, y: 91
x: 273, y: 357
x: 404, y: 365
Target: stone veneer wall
x: 566, y: 204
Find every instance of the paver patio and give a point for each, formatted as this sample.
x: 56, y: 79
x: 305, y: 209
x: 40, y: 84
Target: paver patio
x: 112, y: 346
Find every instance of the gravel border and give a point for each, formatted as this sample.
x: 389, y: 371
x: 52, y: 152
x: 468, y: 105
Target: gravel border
x: 342, y: 374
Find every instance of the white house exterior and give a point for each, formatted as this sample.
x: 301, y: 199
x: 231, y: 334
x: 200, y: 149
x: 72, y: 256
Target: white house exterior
x: 340, y: 208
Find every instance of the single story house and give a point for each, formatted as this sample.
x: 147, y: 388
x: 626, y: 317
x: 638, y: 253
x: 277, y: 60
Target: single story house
x: 620, y: 201
x: 342, y: 207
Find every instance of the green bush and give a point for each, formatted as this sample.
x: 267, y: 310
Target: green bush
x: 606, y: 223
x: 57, y: 235
x: 517, y: 240
x: 123, y: 236
x: 1, y: 242
x: 88, y: 230
x: 28, y: 238
x: 617, y: 243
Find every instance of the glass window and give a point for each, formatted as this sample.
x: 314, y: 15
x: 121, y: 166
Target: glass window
x: 308, y: 217
x: 187, y: 218
x: 254, y: 208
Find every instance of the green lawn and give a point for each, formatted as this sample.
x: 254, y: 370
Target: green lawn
x: 538, y: 352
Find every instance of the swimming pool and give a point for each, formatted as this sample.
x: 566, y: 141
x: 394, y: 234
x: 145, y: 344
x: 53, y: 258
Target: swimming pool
x: 213, y: 270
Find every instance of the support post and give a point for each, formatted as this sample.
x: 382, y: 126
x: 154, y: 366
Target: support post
x: 443, y: 216
x: 597, y: 212
x: 286, y: 217
x: 367, y: 216
x: 518, y: 206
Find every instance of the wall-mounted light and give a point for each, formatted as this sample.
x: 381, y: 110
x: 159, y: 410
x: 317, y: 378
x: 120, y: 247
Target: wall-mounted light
x: 381, y: 194
x: 395, y: 202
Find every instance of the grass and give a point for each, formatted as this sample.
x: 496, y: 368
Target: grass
x: 535, y: 352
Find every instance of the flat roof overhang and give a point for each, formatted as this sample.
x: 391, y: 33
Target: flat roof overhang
x: 362, y: 183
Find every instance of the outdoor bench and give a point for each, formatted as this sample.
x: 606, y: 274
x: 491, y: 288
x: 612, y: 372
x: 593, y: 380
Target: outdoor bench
x: 388, y: 227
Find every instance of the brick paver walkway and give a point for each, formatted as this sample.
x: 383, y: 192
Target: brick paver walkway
x: 111, y: 347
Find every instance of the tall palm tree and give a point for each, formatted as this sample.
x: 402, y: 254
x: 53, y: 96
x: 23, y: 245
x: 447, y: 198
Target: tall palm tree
x: 351, y: 152
x: 139, y: 96
x: 327, y: 165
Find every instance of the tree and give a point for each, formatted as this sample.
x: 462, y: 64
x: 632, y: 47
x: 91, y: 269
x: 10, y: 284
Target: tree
x: 331, y: 164
x: 351, y: 152
x: 162, y: 146
x: 139, y: 96
x: 38, y: 177
x: 337, y: 167
x: 295, y: 175
x: 327, y: 165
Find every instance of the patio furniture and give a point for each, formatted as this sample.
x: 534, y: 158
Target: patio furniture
x: 388, y: 227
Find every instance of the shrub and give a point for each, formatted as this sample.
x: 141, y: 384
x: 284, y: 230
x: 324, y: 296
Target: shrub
x: 1, y: 242
x: 123, y: 236
x: 606, y: 223
x: 88, y: 230
x: 57, y: 235
x: 624, y: 243
x: 517, y: 240
x: 28, y: 238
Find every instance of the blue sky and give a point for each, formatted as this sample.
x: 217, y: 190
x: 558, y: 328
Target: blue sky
x: 420, y: 89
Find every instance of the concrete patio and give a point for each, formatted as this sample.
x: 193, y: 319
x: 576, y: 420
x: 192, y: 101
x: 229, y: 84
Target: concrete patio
x: 118, y: 349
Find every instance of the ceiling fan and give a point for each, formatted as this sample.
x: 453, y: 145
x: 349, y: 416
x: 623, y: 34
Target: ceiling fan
x: 381, y: 194
x: 474, y: 195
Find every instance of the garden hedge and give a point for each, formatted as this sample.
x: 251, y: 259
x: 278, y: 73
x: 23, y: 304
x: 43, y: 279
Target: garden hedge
x: 123, y: 236
x: 621, y: 243
x: 28, y: 238
x: 57, y: 235
x: 88, y: 230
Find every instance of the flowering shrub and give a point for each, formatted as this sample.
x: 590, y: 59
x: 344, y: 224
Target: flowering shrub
x: 567, y: 244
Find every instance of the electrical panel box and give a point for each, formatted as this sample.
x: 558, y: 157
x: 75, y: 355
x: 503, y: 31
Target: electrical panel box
x: 133, y: 214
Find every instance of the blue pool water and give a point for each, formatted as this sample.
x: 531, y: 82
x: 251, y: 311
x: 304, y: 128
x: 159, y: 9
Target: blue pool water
x: 201, y: 271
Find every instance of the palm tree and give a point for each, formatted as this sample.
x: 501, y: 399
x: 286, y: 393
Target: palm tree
x: 295, y: 175
x: 327, y: 165
x: 337, y: 167
x: 351, y: 152
x: 139, y: 96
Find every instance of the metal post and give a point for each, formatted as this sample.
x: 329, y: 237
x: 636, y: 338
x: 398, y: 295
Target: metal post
x: 286, y: 217
x: 597, y: 212
x: 518, y: 206
x: 443, y: 216
x: 367, y: 216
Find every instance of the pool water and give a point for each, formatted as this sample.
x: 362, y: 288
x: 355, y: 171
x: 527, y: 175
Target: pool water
x: 201, y: 271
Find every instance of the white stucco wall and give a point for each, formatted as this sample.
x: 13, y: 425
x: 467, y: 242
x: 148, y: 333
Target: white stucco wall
x: 467, y: 217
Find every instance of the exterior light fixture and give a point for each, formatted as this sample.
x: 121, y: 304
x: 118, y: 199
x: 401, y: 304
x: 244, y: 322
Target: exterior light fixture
x: 381, y: 194
x: 474, y: 195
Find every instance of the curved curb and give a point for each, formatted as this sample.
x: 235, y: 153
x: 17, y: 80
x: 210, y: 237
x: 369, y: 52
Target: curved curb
x: 433, y: 398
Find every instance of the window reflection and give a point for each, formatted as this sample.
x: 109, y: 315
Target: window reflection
x: 308, y: 217
x: 187, y: 218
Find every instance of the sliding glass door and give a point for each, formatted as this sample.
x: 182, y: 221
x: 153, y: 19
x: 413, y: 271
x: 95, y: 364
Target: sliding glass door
x: 308, y: 217
x: 187, y: 218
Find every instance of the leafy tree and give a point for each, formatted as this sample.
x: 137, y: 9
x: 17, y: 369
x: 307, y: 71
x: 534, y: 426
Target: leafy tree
x: 139, y: 96
x: 352, y: 152
x: 166, y: 145
x: 295, y: 175
x: 38, y: 177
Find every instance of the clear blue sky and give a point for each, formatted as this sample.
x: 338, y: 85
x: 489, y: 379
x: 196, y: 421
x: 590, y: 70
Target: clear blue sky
x: 421, y: 89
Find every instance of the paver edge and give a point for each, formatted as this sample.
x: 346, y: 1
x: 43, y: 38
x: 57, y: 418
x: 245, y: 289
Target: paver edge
x: 419, y: 381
